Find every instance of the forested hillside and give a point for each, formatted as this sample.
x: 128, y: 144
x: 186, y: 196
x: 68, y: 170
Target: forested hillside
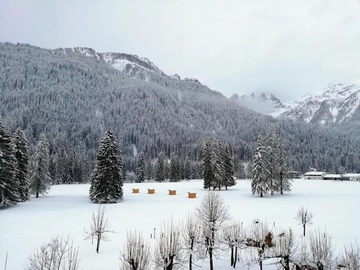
x: 74, y: 99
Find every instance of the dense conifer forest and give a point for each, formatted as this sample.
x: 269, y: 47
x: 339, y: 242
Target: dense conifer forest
x: 73, y: 99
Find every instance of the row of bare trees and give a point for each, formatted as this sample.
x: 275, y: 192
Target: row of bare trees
x: 206, y: 234
x: 210, y: 233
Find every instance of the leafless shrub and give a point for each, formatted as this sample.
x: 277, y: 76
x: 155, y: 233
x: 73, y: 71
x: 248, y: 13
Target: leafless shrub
x: 168, y: 252
x: 350, y: 258
x: 320, y: 250
x: 58, y: 254
x: 136, y: 253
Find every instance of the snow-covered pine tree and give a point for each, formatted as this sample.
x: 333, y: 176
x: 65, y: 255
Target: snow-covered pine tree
x: 160, y: 167
x: 283, y: 183
x: 9, y: 185
x: 174, y: 168
x: 271, y: 156
x: 259, y: 183
x: 107, y: 178
x: 228, y: 174
x: 208, y: 174
x: 140, y: 169
x: 39, y: 180
x: 218, y: 165
x: 22, y: 157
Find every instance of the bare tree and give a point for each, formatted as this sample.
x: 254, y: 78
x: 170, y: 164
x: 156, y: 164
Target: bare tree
x: 191, y: 237
x: 350, y: 258
x: 99, y: 228
x: 212, y: 213
x: 168, y: 251
x: 320, y: 250
x: 304, y: 217
x: 234, y: 239
x: 136, y: 253
x: 258, y: 237
x: 285, y: 248
x: 58, y: 254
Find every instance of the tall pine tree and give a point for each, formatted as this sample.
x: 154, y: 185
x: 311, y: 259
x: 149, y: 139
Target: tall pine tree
x: 271, y: 156
x: 175, y: 173
x: 107, y: 178
x: 22, y: 157
x: 160, y: 168
x: 9, y: 184
x: 228, y: 173
x: 259, y: 183
x: 140, y: 170
x: 208, y: 174
x: 39, y: 180
x: 284, y: 182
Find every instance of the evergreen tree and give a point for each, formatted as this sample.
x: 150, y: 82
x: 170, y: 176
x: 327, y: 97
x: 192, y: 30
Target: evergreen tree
x: 175, y: 174
x: 9, y: 184
x: 271, y: 156
x: 39, y: 180
x: 284, y: 182
x: 22, y: 157
x: 228, y: 173
x: 208, y: 174
x: 160, y: 168
x: 259, y: 183
x: 107, y: 178
x: 218, y: 165
x: 140, y: 170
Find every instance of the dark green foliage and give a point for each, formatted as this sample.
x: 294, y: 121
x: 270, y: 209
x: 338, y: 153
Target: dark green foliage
x: 283, y: 183
x: 40, y: 180
x: 160, y: 168
x: 272, y: 156
x: 22, y: 157
x: 175, y: 173
x: 140, y: 170
x: 9, y: 184
x: 107, y: 179
x: 260, y: 183
x: 208, y: 174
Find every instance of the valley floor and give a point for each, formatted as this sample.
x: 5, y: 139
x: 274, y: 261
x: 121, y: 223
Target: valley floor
x: 67, y: 210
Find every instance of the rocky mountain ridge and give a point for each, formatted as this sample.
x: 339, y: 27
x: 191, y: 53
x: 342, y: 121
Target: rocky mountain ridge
x: 338, y: 103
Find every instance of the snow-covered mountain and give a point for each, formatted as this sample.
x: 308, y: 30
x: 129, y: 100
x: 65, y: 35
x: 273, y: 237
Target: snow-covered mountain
x: 265, y: 103
x: 135, y: 66
x: 337, y: 104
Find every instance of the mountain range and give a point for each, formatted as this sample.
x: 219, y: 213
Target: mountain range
x: 337, y: 104
x: 74, y: 95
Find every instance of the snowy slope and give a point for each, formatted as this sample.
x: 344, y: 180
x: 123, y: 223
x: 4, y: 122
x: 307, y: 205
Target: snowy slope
x: 67, y: 210
x: 133, y: 65
x: 336, y: 104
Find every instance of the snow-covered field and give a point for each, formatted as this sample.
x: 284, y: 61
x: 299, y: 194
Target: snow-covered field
x: 67, y: 210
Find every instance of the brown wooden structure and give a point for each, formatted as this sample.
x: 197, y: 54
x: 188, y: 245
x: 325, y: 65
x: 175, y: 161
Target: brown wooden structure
x: 191, y: 195
x: 135, y: 190
x: 172, y: 192
x: 151, y: 191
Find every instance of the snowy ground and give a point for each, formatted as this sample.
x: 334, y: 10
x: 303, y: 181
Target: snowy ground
x: 67, y: 210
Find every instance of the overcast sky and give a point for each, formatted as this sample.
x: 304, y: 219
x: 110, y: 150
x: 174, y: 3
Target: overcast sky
x: 285, y: 47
